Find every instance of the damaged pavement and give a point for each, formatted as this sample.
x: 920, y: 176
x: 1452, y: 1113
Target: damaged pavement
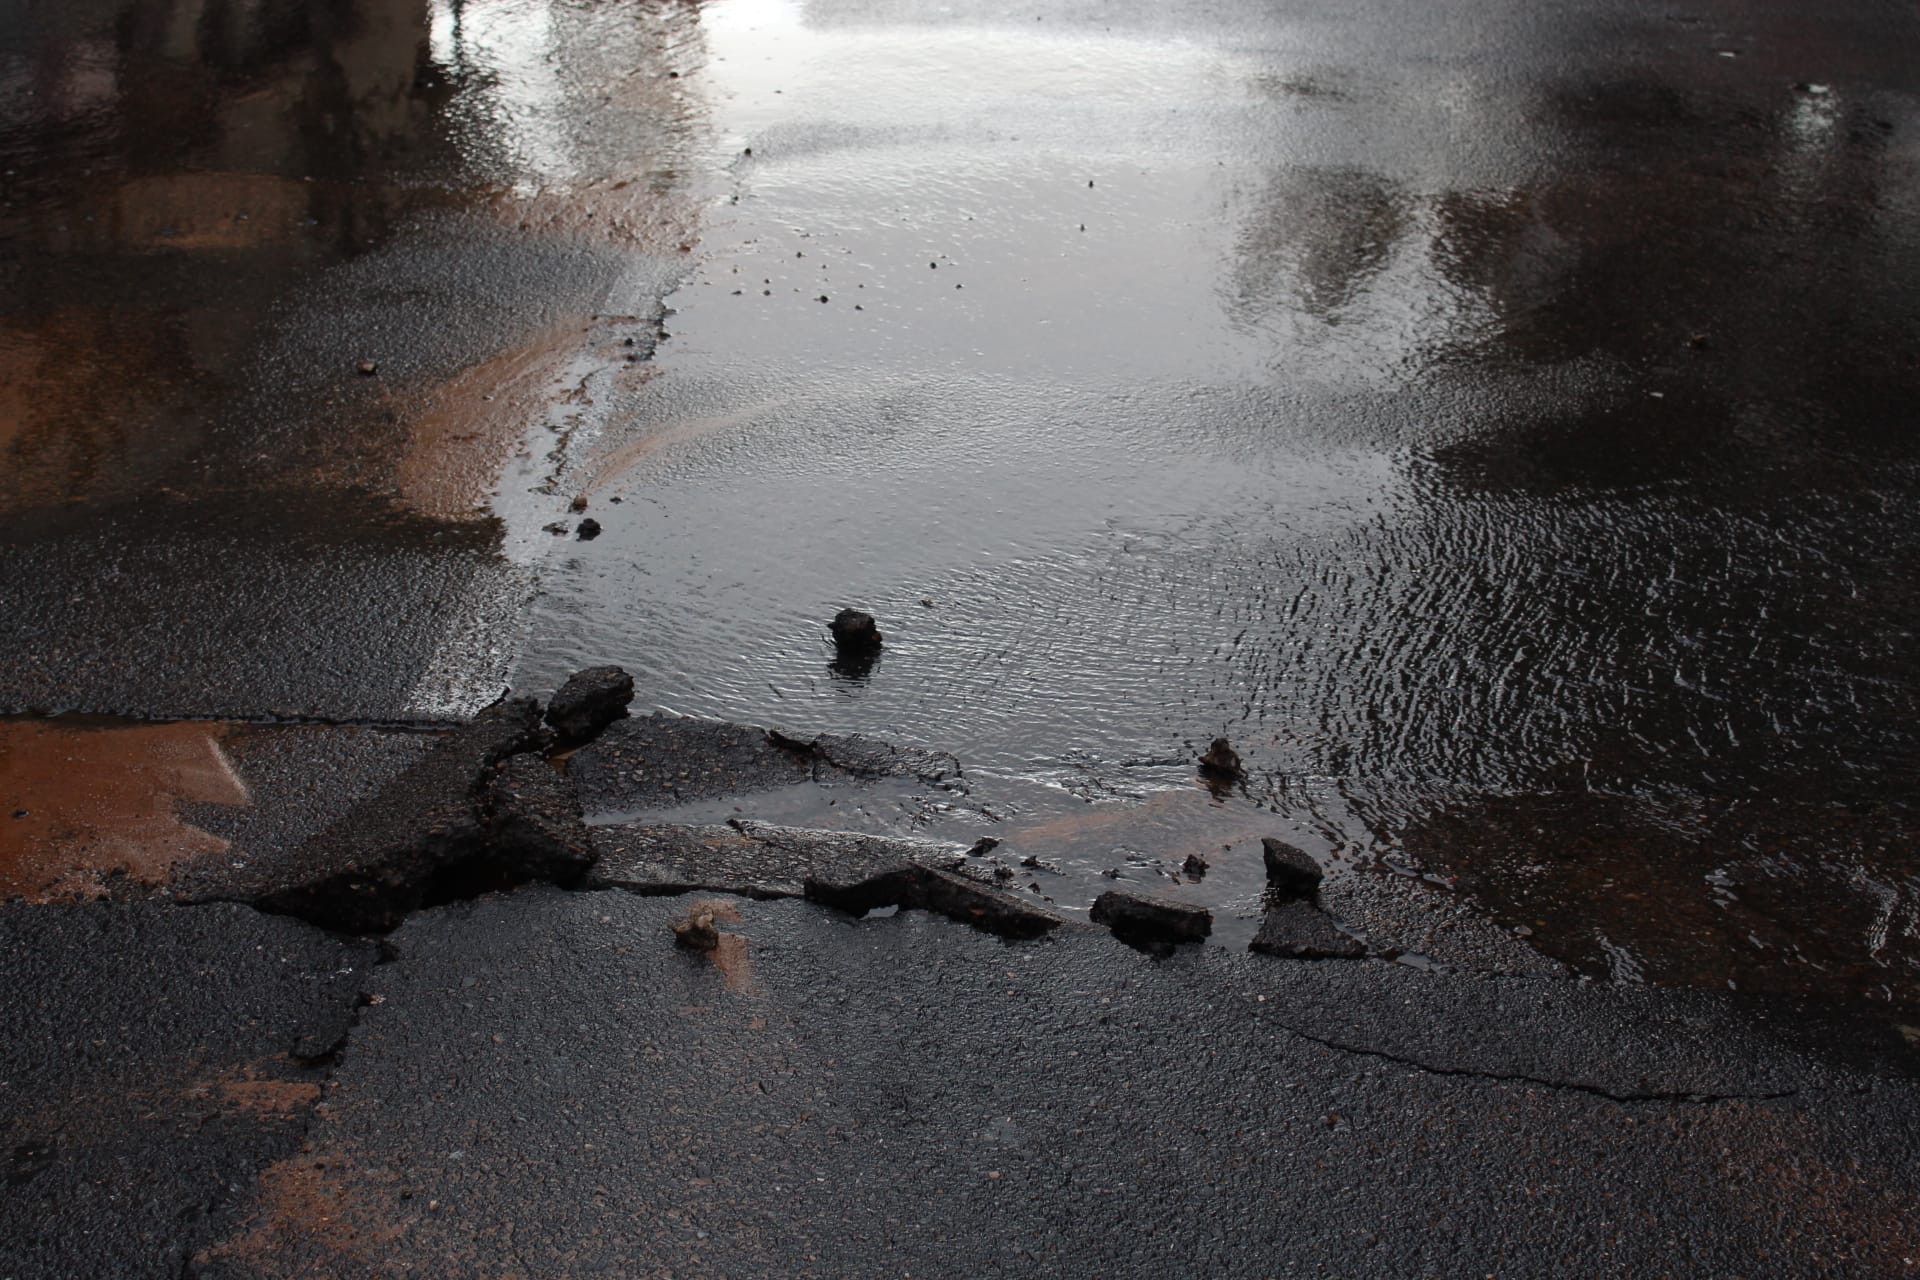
x: 451, y: 1032
x: 1470, y: 443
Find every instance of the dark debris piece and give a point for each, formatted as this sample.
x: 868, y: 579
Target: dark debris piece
x: 853, y: 630
x: 696, y: 932
x: 1221, y: 763
x: 588, y: 702
x: 1290, y: 870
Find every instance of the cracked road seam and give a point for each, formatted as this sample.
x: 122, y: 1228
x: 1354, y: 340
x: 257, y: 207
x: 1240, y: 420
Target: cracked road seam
x: 1569, y: 1086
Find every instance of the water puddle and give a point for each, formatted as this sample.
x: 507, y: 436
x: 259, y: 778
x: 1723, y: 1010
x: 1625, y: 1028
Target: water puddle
x: 1449, y: 431
x: 1150, y: 385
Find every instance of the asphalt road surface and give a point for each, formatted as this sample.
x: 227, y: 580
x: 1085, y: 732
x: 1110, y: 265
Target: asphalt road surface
x: 1494, y: 420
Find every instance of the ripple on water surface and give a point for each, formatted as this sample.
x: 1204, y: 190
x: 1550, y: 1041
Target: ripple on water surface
x: 1514, y: 484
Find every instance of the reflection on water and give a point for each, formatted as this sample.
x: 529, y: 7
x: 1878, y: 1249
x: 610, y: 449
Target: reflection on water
x: 1317, y: 239
x: 181, y: 177
x: 1801, y: 898
x: 1510, y: 444
x: 1458, y: 442
x: 376, y: 262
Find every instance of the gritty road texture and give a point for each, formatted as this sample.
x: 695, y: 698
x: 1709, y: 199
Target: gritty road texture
x: 153, y: 1060
x: 548, y: 1086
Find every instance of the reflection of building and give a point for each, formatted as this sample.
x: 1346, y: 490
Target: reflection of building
x: 185, y: 179
x: 202, y: 124
x: 152, y: 142
x: 176, y: 164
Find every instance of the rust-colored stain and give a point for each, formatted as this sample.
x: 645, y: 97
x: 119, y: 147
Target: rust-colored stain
x: 734, y: 962
x: 732, y: 957
x: 463, y: 431
x: 81, y: 804
x: 1168, y: 824
x: 80, y: 392
x: 719, y: 908
x: 189, y: 211
x: 268, y: 1097
x: 1857, y: 1212
x: 322, y: 1202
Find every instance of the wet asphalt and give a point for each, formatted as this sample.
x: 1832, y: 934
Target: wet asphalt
x: 1493, y: 423
x: 543, y: 1084
x: 1494, y: 420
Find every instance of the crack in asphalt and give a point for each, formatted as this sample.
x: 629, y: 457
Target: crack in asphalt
x: 1624, y: 1097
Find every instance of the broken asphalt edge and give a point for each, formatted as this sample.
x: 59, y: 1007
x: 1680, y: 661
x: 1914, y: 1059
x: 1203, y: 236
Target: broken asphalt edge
x: 465, y: 822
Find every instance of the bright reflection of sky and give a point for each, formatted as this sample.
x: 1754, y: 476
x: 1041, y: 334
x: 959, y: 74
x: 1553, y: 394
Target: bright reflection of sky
x: 508, y: 46
x: 769, y: 62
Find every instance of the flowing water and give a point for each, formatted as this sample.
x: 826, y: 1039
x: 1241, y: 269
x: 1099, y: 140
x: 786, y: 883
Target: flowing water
x: 1504, y: 452
x: 1498, y: 426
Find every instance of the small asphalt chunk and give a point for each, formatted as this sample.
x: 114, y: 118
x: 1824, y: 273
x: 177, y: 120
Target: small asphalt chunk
x: 589, y: 529
x: 317, y: 1043
x: 922, y: 886
x: 1195, y: 866
x: 854, y: 631
x: 1221, y: 763
x: 984, y: 907
x: 1292, y: 871
x: 695, y: 932
x: 1298, y: 930
x: 1151, y: 924
x: 588, y: 702
x: 845, y: 870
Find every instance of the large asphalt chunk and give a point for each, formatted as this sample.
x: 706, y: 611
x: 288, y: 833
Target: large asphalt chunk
x: 970, y: 901
x: 1150, y: 923
x: 364, y: 873
x: 588, y: 702
x: 534, y: 830
x: 658, y: 761
x: 1290, y: 870
x: 153, y: 1060
x: 1301, y: 931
